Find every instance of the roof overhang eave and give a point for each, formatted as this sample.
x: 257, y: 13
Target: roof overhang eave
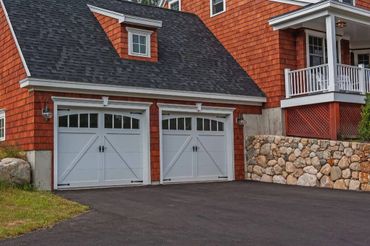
x: 321, y: 9
x: 90, y: 88
x: 129, y: 19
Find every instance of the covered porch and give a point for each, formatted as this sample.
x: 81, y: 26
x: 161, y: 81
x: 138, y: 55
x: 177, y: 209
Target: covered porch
x: 337, y: 53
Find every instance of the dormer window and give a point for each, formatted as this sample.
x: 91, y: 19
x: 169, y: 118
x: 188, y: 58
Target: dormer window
x: 174, y: 5
x: 139, y: 42
x: 217, y: 7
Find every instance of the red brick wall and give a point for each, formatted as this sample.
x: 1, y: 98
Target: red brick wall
x: 118, y: 36
x: 44, y: 129
x: 244, y: 31
x: 17, y: 102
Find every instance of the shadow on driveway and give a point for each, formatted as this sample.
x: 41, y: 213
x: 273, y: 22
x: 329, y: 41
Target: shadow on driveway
x: 236, y: 213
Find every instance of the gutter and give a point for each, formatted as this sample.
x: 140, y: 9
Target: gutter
x: 114, y: 90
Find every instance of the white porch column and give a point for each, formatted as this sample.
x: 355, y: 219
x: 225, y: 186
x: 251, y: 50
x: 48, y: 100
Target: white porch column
x: 332, y: 51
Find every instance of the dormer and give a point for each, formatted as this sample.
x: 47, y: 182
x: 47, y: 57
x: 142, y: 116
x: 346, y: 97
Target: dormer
x: 133, y: 37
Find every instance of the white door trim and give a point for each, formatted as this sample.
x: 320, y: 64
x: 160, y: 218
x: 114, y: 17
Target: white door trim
x: 106, y: 104
x: 198, y: 108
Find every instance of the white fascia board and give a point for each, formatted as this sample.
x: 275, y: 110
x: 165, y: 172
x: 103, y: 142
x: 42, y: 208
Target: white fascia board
x: 292, y: 2
x: 129, y: 19
x: 15, y: 39
x: 322, y: 98
x: 98, y: 89
x: 318, y: 10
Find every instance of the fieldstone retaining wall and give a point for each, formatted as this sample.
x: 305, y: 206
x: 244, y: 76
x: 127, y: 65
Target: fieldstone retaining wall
x: 308, y: 162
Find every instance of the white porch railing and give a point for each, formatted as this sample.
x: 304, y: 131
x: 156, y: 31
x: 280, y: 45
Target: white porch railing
x: 349, y: 79
x: 307, y: 80
x: 367, y: 79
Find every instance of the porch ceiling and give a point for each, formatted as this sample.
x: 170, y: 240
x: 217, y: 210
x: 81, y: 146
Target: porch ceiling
x: 314, y: 16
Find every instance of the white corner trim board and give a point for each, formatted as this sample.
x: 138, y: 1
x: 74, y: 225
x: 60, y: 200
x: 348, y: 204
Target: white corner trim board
x: 129, y: 19
x: 15, y: 39
x: 98, y: 89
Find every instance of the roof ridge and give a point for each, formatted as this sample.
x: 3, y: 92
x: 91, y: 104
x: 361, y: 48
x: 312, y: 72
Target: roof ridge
x: 156, y: 7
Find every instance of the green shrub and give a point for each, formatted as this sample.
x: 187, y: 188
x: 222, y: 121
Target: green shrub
x: 364, y: 128
x: 11, y: 151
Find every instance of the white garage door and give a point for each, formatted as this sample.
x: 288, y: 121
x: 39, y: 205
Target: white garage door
x: 194, y: 148
x: 99, y: 148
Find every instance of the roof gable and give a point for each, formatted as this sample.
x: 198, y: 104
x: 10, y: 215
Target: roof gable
x: 62, y: 40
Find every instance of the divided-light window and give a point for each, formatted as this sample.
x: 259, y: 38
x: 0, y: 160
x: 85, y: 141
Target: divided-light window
x: 175, y: 5
x: 217, y: 7
x: 139, y: 42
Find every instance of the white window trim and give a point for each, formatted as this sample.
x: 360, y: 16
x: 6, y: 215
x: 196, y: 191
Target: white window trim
x: 359, y: 52
x: 174, y: 1
x: 211, y: 5
x: 320, y: 35
x: 2, y: 116
x: 147, y: 33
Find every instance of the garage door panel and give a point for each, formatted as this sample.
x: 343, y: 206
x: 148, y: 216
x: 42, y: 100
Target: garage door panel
x: 209, y: 164
x: 132, y: 142
x: 177, y: 158
x: 78, y: 158
x: 98, y: 152
x: 123, y: 157
x: 128, y: 167
x: 204, y: 157
x: 179, y: 167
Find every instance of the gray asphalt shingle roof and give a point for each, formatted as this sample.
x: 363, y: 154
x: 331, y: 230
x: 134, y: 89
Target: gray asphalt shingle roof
x: 62, y: 40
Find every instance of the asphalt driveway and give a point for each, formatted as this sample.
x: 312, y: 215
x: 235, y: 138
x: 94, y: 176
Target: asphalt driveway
x: 238, y: 213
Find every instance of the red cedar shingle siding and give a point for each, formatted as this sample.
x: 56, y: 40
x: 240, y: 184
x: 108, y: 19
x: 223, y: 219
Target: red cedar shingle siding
x: 244, y: 31
x: 17, y: 102
x: 118, y: 36
x: 363, y: 4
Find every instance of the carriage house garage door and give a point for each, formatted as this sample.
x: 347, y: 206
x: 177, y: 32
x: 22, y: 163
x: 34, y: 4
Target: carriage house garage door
x: 194, y: 148
x: 98, y: 148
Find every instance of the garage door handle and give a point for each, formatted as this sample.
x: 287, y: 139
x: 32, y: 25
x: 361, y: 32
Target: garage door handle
x: 195, y: 148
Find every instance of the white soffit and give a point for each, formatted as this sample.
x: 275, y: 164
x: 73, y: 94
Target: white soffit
x: 321, y: 9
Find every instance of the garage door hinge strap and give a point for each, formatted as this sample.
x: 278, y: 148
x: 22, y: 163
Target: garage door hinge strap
x: 63, y: 184
x: 222, y: 177
x: 136, y: 181
x: 166, y: 180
